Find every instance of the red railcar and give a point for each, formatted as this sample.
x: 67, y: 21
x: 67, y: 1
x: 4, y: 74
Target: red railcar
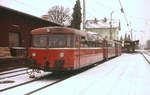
x: 65, y: 49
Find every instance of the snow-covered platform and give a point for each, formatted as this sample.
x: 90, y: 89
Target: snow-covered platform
x: 128, y: 74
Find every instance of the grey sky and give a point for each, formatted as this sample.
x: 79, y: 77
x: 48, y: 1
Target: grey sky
x: 135, y: 10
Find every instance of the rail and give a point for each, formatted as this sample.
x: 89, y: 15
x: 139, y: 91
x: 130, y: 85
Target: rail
x: 145, y: 53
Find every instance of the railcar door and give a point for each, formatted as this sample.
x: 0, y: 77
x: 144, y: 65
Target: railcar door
x: 116, y: 49
x: 105, y: 50
x: 77, y: 45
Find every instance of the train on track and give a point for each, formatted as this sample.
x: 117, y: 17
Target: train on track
x: 67, y: 49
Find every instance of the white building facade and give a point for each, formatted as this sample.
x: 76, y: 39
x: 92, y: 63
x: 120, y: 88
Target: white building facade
x: 105, y: 28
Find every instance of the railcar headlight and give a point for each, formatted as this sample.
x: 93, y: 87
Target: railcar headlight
x: 61, y: 54
x: 33, y: 54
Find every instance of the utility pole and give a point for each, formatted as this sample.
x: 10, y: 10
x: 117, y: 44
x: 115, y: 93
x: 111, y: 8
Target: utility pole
x: 84, y: 15
x: 111, y: 25
x: 131, y: 35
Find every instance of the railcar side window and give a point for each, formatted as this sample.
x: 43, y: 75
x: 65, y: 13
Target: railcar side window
x: 39, y: 40
x: 83, y: 42
x: 99, y: 44
x: 60, y: 41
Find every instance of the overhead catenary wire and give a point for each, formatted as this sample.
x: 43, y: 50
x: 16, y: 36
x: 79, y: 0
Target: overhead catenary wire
x: 122, y: 11
x: 124, y: 14
x: 91, y: 14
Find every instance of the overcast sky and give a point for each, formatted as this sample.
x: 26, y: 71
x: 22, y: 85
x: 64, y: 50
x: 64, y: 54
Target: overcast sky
x: 136, y: 11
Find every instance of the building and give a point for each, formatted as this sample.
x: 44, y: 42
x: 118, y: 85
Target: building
x: 45, y: 17
x: 130, y: 46
x: 15, y: 28
x: 148, y: 44
x: 105, y: 28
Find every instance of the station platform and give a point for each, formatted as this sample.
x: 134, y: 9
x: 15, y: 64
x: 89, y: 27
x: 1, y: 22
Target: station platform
x: 128, y: 74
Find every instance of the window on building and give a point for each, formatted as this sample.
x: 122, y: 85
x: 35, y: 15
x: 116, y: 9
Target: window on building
x: 14, y: 39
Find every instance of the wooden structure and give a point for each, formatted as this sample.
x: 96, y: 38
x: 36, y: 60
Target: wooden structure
x: 15, y: 28
x: 129, y: 46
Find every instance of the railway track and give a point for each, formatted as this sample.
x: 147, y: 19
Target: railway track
x: 39, y: 80
x: 144, y: 55
x: 48, y: 85
x: 51, y: 80
x: 13, y: 75
x: 3, y: 69
x: 147, y: 53
x: 13, y: 71
x: 56, y: 79
x: 17, y: 85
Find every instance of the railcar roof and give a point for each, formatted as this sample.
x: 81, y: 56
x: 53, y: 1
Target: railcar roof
x: 58, y: 30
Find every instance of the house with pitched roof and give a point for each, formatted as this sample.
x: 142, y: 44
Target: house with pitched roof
x: 106, y: 28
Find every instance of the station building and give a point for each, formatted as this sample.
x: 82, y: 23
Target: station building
x: 148, y: 44
x: 15, y: 29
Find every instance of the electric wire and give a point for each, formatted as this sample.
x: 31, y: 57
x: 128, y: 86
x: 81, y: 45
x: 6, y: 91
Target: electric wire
x: 124, y: 14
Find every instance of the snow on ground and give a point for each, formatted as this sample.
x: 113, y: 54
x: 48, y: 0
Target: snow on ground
x: 19, y: 79
x: 128, y: 74
x: 22, y: 90
x: 12, y: 70
x: 12, y: 74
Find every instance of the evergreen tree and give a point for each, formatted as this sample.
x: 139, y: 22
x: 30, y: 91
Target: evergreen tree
x: 121, y: 38
x: 119, y: 25
x: 125, y: 38
x: 76, y: 16
x: 129, y: 38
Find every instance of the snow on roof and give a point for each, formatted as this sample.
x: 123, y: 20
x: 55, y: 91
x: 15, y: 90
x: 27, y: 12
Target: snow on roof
x: 103, y: 23
x: 93, y: 33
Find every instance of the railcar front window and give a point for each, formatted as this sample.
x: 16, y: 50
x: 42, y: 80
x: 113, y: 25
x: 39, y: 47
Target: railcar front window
x: 52, y: 41
x: 60, y: 41
x: 39, y: 40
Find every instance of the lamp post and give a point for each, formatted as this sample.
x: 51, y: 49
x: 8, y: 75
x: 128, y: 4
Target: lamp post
x: 111, y: 25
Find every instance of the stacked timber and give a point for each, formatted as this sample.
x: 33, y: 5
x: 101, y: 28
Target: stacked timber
x: 4, y: 52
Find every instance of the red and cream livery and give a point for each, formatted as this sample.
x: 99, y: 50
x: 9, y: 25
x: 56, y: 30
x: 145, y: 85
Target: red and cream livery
x: 65, y: 49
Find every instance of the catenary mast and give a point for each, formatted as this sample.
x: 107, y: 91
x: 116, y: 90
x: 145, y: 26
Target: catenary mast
x: 84, y: 15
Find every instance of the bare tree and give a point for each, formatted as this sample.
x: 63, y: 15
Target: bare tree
x: 59, y: 15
